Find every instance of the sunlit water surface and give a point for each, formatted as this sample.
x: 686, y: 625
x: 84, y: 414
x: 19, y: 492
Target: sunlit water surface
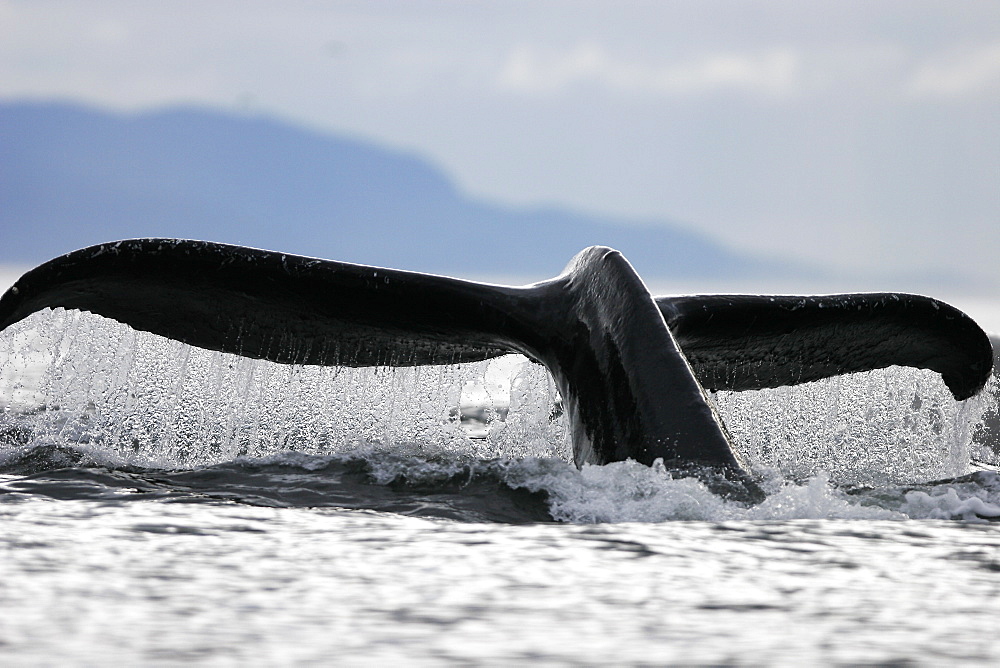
x: 163, y: 504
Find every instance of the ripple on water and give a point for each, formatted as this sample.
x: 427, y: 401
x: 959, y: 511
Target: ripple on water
x: 149, y: 581
x: 162, y: 504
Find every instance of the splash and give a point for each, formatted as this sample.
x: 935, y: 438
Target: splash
x: 632, y: 492
x: 874, y: 428
x: 81, y: 381
x: 85, y: 380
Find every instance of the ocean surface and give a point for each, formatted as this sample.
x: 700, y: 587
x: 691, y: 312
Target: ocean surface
x: 164, y: 505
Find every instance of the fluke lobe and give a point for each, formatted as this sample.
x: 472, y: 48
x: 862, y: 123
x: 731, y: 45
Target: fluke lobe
x: 632, y: 369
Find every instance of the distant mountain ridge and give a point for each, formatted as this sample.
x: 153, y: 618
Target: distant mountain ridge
x: 71, y: 176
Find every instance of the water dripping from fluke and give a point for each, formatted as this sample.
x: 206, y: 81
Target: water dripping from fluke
x: 256, y: 352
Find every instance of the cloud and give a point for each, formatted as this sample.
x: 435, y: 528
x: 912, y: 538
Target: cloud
x: 958, y: 74
x: 773, y: 72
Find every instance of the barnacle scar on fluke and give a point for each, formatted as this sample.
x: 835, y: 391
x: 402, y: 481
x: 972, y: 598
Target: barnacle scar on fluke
x: 632, y: 369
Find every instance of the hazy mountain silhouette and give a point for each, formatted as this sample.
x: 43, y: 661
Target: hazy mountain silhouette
x: 72, y: 176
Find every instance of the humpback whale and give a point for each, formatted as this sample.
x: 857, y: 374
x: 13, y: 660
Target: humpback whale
x: 632, y: 369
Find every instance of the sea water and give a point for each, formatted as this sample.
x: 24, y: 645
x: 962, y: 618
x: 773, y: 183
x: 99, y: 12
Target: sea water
x: 164, y: 505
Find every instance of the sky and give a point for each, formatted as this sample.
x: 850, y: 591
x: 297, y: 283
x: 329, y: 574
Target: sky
x: 863, y: 136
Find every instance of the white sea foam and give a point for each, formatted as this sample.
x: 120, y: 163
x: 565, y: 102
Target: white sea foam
x: 630, y: 492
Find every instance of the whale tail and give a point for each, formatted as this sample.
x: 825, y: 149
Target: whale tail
x: 631, y: 369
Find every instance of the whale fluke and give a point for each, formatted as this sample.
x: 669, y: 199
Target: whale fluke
x: 630, y: 368
x: 627, y: 389
x: 749, y: 342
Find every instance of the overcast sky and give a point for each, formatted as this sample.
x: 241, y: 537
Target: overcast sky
x: 863, y: 134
